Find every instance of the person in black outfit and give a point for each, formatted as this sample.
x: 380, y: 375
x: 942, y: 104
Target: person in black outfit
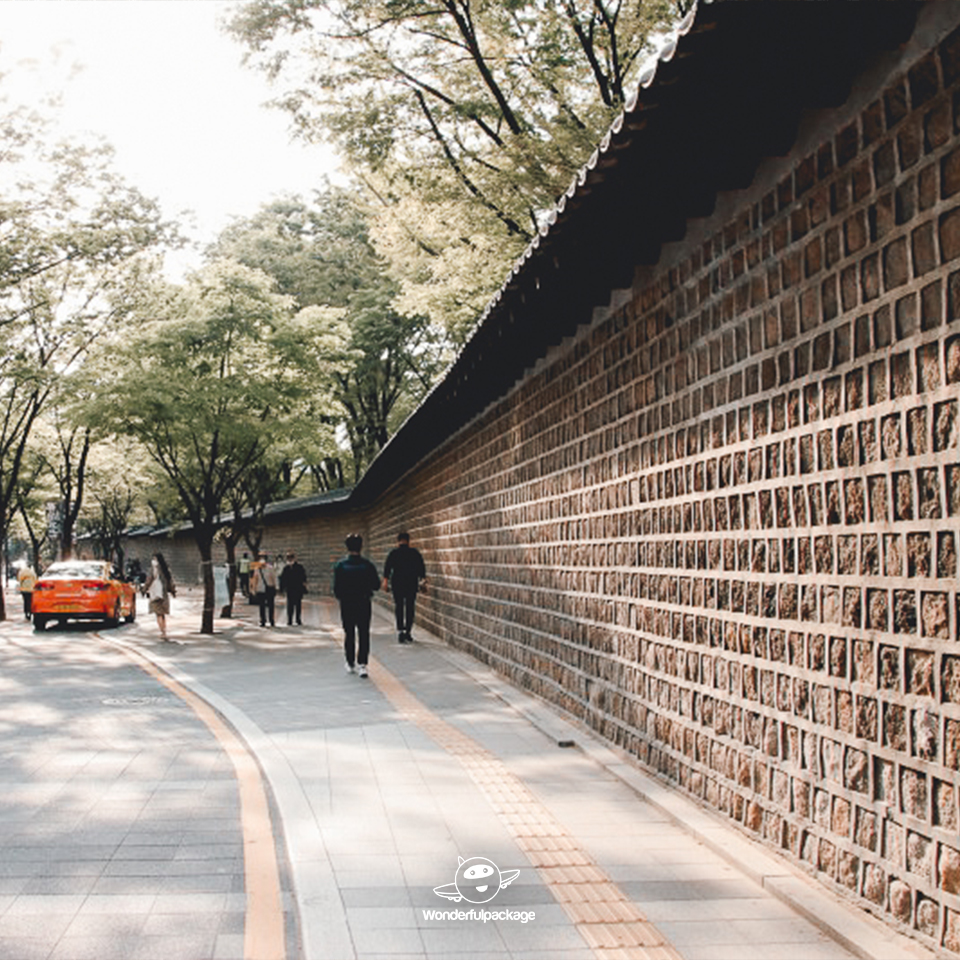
x: 293, y: 583
x: 404, y: 574
x: 355, y: 580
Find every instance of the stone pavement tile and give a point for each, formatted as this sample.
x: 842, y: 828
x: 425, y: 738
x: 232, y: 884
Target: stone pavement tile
x: 202, y: 883
x: 169, y: 924
x: 821, y: 950
x: 105, y: 947
x: 180, y: 946
x: 539, y: 934
x: 32, y: 925
x: 580, y: 953
x: 718, y: 911
x: 44, y: 905
x: 366, y: 871
x: 788, y: 930
x: 27, y: 948
x: 383, y: 940
x: 121, y: 903
x: 228, y: 947
x: 374, y: 918
x: 60, y: 885
x: 111, y: 886
x: 376, y: 897
x: 120, y: 925
x: 138, y: 853
x: 189, y: 903
x: 463, y: 936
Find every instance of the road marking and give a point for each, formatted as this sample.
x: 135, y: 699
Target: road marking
x: 604, y: 916
x: 263, y: 931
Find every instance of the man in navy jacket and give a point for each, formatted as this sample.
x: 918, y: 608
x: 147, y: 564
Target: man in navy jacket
x: 355, y: 580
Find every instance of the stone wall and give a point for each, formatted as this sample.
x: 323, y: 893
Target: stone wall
x: 720, y: 524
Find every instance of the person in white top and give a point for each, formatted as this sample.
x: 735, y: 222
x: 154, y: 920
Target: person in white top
x: 159, y: 587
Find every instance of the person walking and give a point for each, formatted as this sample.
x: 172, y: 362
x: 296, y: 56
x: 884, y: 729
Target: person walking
x: 293, y: 584
x: 159, y: 588
x: 26, y: 578
x: 355, y: 580
x: 405, y: 574
x: 243, y: 573
x: 263, y: 586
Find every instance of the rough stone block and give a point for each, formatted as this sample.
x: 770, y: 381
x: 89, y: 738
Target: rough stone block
x: 895, y: 734
x: 875, y: 884
x: 896, y: 270
x: 913, y: 793
x: 866, y: 829
x: 949, y: 869
x: 949, y: 228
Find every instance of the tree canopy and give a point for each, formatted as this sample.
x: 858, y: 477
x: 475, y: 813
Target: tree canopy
x: 466, y: 119
x: 210, y: 381
x: 320, y: 253
x: 75, y: 246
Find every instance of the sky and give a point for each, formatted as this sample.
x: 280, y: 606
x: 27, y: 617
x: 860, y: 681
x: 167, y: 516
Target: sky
x: 163, y: 85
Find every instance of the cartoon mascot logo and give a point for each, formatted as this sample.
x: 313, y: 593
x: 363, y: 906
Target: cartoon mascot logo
x: 478, y: 880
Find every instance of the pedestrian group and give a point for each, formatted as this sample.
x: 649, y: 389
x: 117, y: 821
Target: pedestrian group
x: 355, y: 581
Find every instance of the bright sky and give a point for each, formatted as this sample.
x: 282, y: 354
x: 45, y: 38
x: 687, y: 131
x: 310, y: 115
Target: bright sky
x: 166, y: 88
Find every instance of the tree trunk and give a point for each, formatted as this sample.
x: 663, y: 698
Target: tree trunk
x: 4, y: 560
x: 231, y: 546
x: 205, y: 546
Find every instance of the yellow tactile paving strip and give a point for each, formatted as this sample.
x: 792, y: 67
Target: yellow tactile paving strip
x: 608, y: 921
x: 263, y: 931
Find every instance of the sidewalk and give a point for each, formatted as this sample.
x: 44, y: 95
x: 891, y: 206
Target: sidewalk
x: 380, y: 785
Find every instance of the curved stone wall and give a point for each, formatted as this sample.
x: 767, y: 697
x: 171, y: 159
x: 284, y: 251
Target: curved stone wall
x: 720, y: 526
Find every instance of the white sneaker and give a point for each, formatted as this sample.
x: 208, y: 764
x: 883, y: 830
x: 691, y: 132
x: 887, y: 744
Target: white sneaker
x: 349, y: 668
x: 362, y: 670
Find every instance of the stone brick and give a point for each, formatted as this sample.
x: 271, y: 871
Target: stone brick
x: 949, y: 873
x: 895, y: 733
x: 895, y: 264
x: 949, y: 236
x: 875, y: 884
x: 901, y: 901
x: 951, y: 933
x: 945, y: 805
x: 923, y: 248
x: 928, y: 916
x: 913, y: 793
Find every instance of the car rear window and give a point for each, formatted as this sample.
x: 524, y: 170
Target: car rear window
x: 75, y: 571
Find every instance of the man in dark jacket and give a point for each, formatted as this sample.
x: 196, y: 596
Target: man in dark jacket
x: 355, y: 580
x: 404, y: 574
x: 293, y: 584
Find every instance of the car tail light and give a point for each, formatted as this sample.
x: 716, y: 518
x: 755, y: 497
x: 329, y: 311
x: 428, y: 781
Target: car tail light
x: 95, y: 585
x: 42, y: 586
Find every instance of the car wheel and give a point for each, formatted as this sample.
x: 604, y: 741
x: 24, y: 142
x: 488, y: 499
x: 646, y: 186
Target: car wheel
x: 39, y: 622
x: 132, y: 615
x: 114, y: 621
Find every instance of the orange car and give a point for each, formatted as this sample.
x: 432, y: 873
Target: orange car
x: 82, y: 590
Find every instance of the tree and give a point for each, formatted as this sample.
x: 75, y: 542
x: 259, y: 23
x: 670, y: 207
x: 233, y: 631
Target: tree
x: 74, y: 239
x: 320, y: 253
x: 208, y: 385
x: 466, y: 118
x: 120, y: 480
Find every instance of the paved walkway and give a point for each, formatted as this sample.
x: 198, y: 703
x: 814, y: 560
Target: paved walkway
x: 379, y: 786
